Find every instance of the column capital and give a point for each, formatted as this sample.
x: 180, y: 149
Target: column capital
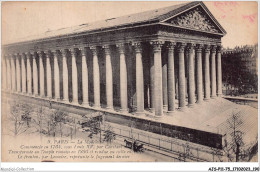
x: 34, y: 55
x: 181, y: 46
x: 213, y: 48
x: 23, y: 55
x: 93, y: 50
x: 190, y: 47
x: 63, y: 52
x: 219, y: 49
x: 199, y: 47
x: 16, y: 54
x: 207, y: 48
x: 106, y: 49
x: 121, y: 48
x: 157, y: 45
x: 11, y: 56
x: 47, y: 53
x: 54, y: 52
x: 40, y: 53
x: 83, y: 50
x: 28, y: 54
x: 137, y: 46
x: 73, y: 51
x: 170, y: 46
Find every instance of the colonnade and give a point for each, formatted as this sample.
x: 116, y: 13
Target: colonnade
x: 21, y: 75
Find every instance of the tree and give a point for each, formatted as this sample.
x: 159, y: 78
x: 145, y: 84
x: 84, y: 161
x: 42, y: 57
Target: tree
x: 94, y: 126
x: 109, y: 135
x: 56, y: 119
x: 19, y: 117
x: 38, y: 121
x: 236, y: 142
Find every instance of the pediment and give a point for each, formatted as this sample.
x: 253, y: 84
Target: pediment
x: 195, y: 19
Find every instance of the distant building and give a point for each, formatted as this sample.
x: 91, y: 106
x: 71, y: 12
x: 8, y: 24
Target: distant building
x: 247, y: 54
x: 240, y: 70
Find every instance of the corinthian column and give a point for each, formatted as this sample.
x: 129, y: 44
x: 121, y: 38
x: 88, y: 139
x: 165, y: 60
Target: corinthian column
x: 181, y: 83
x: 35, y: 75
x: 74, y: 76
x: 48, y: 74
x: 85, y: 101
x: 164, y: 82
x: 206, y: 74
x: 219, y: 70
x: 109, y: 78
x: 139, y: 79
x: 171, y: 78
x: 23, y: 57
x: 213, y: 71
x: 151, y: 86
x: 199, y: 74
x: 4, y: 73
x: 18, y: 73
x: 56, y: 75
x: 29, y: 74
x: 191, y: 96
x: 158, y: 96
x: 123, y: 78
x: 96, y: 77
x: 9, y: 74
x: 65, y: 76
x: 41, y: 74
x: 13, y: 73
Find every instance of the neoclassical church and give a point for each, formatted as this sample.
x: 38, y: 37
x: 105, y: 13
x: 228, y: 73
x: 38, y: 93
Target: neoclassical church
x: 159, y: 62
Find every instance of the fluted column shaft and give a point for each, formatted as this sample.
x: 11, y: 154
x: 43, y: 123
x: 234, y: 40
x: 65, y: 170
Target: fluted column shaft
x: 171, y: 78
x: 29, y: 74
x: 18, y: 74
x: 4, y: 73
x: 48, y: 75
x: 96, y: 78
x: 84, y: 77
x: 213, y: 72
x: 181, y: 83
x: 74, y: 76
x: 199, y: 74
x: 56, y: 75
x: 123, y: 78
x: 191, y: 93
x: 206, y: 74
x: 9, y: 74
x: 13, y: 73
x: 158, y: 96
x: 109, y: 78
x: 41, y: 74
x: 164, y: 83
x: 65, y: 76
x: 23, y: 73
x: 219, y: 75
x: 151, y: 86
x: 35, y: 76
x: 139, y: 79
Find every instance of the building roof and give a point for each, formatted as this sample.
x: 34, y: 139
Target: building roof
x: 127, y: 21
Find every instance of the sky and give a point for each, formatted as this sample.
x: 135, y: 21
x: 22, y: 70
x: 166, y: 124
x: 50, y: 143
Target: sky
x: 22, y: 19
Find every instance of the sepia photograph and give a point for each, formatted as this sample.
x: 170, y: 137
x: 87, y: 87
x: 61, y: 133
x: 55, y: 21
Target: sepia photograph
x: 135, y: 81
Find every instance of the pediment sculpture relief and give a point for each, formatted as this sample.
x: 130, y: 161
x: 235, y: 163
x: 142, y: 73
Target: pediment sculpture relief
x: 195, y: 19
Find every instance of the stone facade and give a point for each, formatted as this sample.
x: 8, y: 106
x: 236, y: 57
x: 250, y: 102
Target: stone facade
x: 138, y: 66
